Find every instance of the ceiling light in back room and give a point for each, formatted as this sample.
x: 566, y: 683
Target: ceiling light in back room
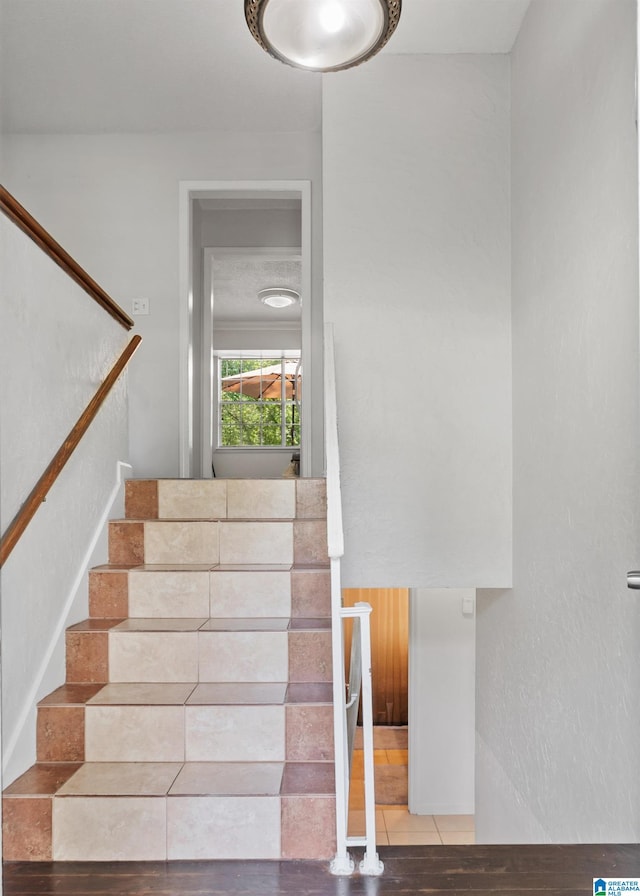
x: 278, y: 297
x: 322, y: 35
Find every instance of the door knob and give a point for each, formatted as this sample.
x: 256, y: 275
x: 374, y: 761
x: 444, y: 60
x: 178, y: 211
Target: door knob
x: 633, y: 579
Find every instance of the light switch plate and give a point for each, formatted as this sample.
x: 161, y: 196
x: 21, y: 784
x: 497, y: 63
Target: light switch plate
x: 140, y: 306
x: 468, y: 606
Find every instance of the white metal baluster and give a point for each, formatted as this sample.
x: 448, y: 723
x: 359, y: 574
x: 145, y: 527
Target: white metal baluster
x: 371, y: 863
x: 342, y: 863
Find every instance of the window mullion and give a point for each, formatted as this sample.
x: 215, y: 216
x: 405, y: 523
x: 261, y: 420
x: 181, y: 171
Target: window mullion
x: 283, y: 403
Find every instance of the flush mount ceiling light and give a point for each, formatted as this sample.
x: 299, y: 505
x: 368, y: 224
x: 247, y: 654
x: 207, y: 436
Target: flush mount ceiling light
x: 278, y: 297
x: 322, y: 35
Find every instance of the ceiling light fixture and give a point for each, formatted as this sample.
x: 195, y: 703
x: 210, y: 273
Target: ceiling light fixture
x: 322, y: 35
x: 278, y: 297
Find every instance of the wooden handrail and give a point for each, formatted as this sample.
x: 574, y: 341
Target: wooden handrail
x: 28, y: 224
x: 46, y: 481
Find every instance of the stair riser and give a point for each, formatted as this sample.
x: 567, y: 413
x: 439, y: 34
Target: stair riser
x: 189, y: 828
x: 103, y: 656
x: 218, y: 594
x: 60, y: 734
x: 214, y: 542
x: 209, y: 733
x: 200, y: 593
x: 185, y: 734
x: 225, y: 499
x: 211, y: 542
x: 159, y: 828
x: 198, y: 656
x: 223, y: 827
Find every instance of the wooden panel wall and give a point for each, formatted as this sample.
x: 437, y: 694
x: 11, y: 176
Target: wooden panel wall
x: 389, y: 650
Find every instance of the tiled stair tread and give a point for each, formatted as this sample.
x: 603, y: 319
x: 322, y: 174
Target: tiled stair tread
x: 231, y: 624
x: 116, y: 779
x: 95, y: 624
x: 213, y: 518
x: 228, y: 779
x: 210, y: 567
x: 185, y: 624
x: 241, y: 693
x: 191, y: 693
x: 307, y: 623
x: 71, y: 695
x: 178, y: 779
x: 122, y: 779
x: 308, y: 777
x: 224, y: 624
x: 42, y: 779
x: 143, y: 694
x: 167, y: 567
x: 309, y: 692
x: 160, y: 624
x: 252, y: 567
x: 220, y: 519
x: 180, y: 694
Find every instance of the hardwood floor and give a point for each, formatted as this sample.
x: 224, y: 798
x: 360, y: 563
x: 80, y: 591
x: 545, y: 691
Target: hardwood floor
x: 472, y: 870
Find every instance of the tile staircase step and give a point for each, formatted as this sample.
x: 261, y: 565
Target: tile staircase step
x: 194, y: 732
x: 75, y: 722
x: 200, y: 778
x: 196, y: 693
x: 197, y: 590
x: 143, y: 811
x: 27, y: 810
x: 225, y: 499
x: 213, y: 542
x: 243, y: 650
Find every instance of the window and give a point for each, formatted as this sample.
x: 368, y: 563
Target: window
x: 259, y: 401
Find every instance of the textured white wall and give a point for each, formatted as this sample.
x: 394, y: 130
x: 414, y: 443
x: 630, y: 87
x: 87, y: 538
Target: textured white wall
x: 113, y: 202
x: 558, y: 671
x: 416, y: 247
x: 442, y: 648
x: 56, y: 346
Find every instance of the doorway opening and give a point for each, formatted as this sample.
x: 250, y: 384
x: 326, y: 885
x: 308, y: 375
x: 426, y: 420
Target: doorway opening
x: 236, y: 240
x: 423, y: 685
x: 252, y: 408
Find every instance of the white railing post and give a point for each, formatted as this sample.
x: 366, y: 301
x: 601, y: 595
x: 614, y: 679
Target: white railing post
x: 371, y: 863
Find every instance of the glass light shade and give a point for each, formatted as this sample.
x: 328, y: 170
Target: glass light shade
x: 322, y: 35
x: 276, y: 297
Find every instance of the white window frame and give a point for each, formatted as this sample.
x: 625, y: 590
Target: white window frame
x: 282, y: 355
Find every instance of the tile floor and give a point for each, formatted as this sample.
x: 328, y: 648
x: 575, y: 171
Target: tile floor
x: 395, y: 826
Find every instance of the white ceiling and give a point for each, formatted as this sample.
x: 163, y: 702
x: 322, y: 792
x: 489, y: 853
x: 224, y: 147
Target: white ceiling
x: 237, y: 279
x: 91, y: 66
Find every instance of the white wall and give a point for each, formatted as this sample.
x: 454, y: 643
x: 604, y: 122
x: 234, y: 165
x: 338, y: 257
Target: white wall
x: 416, y: 247
x: 442, y: 650
x: 113, y: 200
x: 558, y: 672
x: 56, y: 346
